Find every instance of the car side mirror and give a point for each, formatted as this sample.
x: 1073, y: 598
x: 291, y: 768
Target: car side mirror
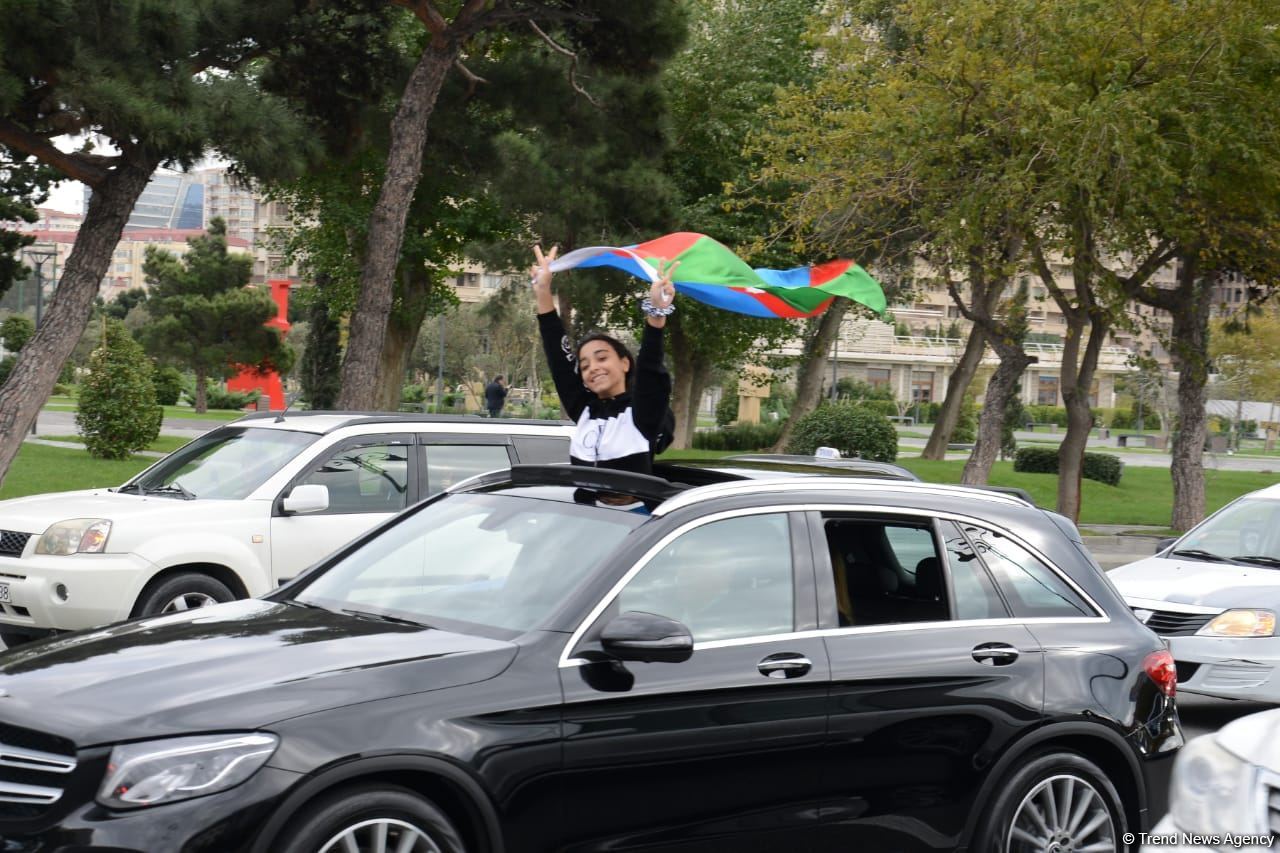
x: 308, y: 497
x: 646, y: 637
x: 1165, y: 543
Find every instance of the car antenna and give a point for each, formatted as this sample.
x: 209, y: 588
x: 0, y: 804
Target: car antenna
x: 288, y: 401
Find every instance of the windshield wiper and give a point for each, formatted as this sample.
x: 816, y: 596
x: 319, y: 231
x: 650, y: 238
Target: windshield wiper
x: 385, y: 617
x: 132, y: 487
x: 1261, y: 559
x: 1200, y: 554
x: 174, y: 488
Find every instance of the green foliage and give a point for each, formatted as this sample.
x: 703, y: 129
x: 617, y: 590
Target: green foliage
x: 1103, y: 467
x: 852, y: 430
x: 966, y: 431
x: 120, y: 306
x: 6, y: 366
x: 849, y: 388
x: 1047, y: 415
x: 1128, y: 419
x: 727, y: 406
x: 217, y: 397
x: 321, y: 362
x: 205, y: 319
x: 1015, y: 417
x: 168, y: 382
x: 413, y: 394
x: 761, y: 436
x: 117, y: 412
x: 23, y: 185
x: 15, y: 331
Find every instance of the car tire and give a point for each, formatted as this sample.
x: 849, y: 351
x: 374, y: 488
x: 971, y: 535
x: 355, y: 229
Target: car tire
x: 358, y: 814
x: 185, y: 591
x: 1020, y: 818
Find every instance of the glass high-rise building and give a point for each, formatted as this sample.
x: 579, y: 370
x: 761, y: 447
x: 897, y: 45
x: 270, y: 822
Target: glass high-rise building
x: 170, y: 200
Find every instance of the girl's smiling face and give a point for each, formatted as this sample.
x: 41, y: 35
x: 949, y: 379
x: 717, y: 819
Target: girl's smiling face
x: 604, y: 371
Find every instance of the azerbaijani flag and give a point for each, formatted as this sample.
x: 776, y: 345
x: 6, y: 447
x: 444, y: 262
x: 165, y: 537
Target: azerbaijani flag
x: 709, y: 272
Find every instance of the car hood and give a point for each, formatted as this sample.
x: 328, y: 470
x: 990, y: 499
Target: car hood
x: 34, y: 514
x: 246, y: 664
x: 1255, y: 739
x: 1185, y: 581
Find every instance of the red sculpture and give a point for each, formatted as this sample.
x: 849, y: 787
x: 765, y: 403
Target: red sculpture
x: 267, y: 383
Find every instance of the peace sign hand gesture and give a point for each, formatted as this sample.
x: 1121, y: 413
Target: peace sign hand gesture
x: 541, y: 272
x: 662, y: 295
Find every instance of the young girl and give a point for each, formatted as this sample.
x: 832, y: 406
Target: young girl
x: 621, y: 404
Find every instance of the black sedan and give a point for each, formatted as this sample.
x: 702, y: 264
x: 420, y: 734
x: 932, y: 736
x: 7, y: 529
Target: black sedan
x: 556, y: 658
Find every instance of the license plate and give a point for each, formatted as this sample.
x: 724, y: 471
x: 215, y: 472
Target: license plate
x: 4, y: 592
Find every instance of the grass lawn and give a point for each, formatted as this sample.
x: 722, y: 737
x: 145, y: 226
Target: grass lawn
x: 1144, y: 496
x: 162, y: 444
x: 64, y: 403
x: 38, y: 469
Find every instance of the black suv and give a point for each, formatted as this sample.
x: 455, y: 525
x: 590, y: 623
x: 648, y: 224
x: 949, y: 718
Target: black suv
x: 577, y: 659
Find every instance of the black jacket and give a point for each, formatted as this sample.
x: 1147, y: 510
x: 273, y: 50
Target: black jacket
x: 626, y: 431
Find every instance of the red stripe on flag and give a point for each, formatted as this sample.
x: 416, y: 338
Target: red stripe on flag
x: 784, y: 309
x: 823, y: 273
x: 667, y: 247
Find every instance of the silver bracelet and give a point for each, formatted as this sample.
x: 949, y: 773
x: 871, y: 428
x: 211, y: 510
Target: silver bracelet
x: 646, y: 305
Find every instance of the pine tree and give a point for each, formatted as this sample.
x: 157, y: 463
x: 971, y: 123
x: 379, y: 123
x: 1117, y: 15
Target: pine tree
x: 205, y: 318
x: 117, y: 412
x: 322, y: 360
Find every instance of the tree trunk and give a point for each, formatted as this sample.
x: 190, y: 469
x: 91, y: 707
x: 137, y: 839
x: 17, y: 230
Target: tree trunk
x: 387, y: 223
x: 961, y: 378
x: 202, y: 392
x: 403, y: 326
x: 1003, y: 385
x: 689, y: 376
x: 1076, y: 378
x: 813, y: 363
x: 38, y: 363
x: 1190, y: 354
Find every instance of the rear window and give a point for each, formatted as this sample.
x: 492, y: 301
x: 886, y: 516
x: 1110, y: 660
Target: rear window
x: 1031, y: 588
x: 541, y: 451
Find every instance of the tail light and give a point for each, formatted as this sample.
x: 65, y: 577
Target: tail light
x: 1160, y: 666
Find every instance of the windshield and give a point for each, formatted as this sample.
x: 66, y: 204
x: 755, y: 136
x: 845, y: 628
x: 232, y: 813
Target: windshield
x: 492, y: 560
x: 227, y: 463
x: 1246, y: 531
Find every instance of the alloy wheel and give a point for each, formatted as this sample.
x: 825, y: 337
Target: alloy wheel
x: 380, y: 835
x: 1062, y: 814
x: 188, y: 601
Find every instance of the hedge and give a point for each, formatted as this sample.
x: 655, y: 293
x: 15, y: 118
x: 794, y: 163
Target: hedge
x: 761, y: 436
x: 1103, y: 467
x: 853, y: 430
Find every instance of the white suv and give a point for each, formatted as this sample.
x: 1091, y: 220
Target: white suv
x: 237, y: 511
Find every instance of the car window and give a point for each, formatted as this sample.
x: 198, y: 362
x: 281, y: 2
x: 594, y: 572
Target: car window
x: 541, y: 451
x: 1031, y: 588
x: 489, y: 560
x: 974, y: 592
x: 364, y: 478
x: 723, y: 580
x: 885, y: 571
x: 450, y: 464
x: 1247, y: 528
x: 227, y: 463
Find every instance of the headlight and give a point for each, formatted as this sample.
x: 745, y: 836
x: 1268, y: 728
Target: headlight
x: 75, y: 536
x: 1241, y: 623
x: 1212, y: 790
x: 166, y: 771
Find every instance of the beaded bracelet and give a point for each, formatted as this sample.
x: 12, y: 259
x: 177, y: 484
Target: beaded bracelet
x: 647, y: 306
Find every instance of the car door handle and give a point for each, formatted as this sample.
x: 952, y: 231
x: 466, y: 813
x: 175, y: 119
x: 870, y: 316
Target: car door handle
x: 785, y: 665
x: 995, y: 654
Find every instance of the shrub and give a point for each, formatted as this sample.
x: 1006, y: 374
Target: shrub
x: 759, y: 436
x: 168, y: 382
x: 854, y: 389
x: 6, y: 366
x: 888, y: 408
x: 727, y: 408
x: 413, y: 394
x: 117, y: 412
x: 15, y: 331
x: 1047, y: 415
x: 1103, y: 467
x: 966, y: 431
x: 217, y: 397
x: 852, y: 430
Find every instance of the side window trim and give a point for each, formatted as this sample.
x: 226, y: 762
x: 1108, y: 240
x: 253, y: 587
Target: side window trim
x: 804, y: 583
x: 579, y: 635
x: 363, y: 440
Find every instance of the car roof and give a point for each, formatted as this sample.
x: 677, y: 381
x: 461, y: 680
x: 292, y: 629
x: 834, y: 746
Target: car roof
x: 323, y: 421
x: 673, y: 486
x: 853, y: 467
